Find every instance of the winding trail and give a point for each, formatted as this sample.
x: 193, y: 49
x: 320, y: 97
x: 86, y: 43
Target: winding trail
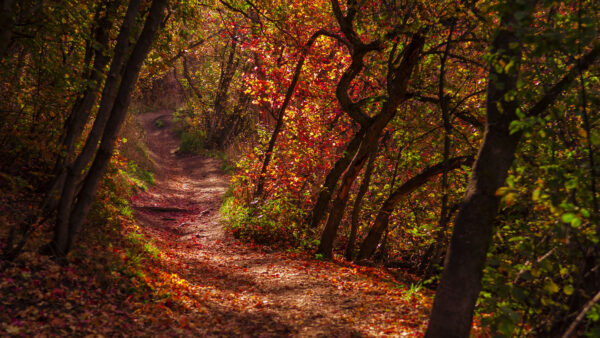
x: 238, y: 289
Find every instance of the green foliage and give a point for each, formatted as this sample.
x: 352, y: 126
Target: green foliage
x: 192, y: 138
x: 277, y: 222
x: 192, y: 141
x: 413, y: 291
x: 139, y: 178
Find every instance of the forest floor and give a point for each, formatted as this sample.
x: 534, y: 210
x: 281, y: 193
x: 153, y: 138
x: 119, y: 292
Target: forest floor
x: 202, y: 281
x: 254, y: 291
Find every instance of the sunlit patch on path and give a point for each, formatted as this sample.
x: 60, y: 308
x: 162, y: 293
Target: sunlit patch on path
x: 223, y: 287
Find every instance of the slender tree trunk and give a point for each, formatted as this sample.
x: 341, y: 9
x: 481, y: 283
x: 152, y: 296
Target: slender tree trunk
x: 219, y: 120
x: 461, y: 279
x: 75, y: 172
x: 341, y: 199
x: 321, y: 206
x: 69, y: 222
x: 369, y: 245
x: 81, y: 110
x: 439, y: 240
x: 188, y: 77
x: 398, y: 78
x: 117, y: 116
x: 364, y: 187
x: 280, y: 116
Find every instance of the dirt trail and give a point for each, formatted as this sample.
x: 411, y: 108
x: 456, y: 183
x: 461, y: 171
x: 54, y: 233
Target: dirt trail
x: 245, y: 290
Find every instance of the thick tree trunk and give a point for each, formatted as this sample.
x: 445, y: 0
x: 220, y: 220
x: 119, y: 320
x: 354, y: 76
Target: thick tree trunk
x: 64, y: 238
x: 461, y: 279
x: 459, y: 288
x: 369, y: 245
x: 362, y: 190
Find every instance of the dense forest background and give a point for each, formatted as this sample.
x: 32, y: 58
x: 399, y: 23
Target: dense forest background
x: 454, y: 141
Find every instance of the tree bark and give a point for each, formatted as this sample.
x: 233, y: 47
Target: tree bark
x: 339, y: 202
x: 459, y: 288
x: 398, y: 78
x: 81, y: 110
x: 75, y: 172
x: 364, y: 187
x: 64, y: 237
x: 369, y: 245
x: 461, y: 279
x: 321, y: 206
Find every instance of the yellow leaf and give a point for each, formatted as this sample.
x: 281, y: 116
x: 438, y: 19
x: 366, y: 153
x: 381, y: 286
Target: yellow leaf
x: 568, y: 290
x: 551, y: 287
x: 13, y: 329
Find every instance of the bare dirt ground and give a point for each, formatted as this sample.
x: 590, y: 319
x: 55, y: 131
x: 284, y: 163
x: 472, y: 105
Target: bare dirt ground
x: 239, y: 289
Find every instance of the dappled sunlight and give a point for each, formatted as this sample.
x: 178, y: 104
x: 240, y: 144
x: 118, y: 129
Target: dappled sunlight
x: 205, y: 276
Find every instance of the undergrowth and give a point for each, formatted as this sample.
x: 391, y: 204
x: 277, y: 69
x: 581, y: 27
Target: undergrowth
x: 277, y: 222
x: 193, y: 139
x: 112, y: 276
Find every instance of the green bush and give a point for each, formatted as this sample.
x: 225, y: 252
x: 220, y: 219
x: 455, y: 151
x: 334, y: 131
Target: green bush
x: 192, y: 141
x: 276, y: 222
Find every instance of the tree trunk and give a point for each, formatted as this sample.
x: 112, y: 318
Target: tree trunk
x: 65, y: 231
x: 364, y: 187
x: 369, y: 245
x: 75, y: 172
x: 459, y: 288
x: 321, y: 206
x: 398, y: 78
x: 82, y: 109
x: 227, y: 71
x: 279, y: 125
x: 461, y: 279
x: 439, y: 240
x: 188, y: 77
x: 339, y: 203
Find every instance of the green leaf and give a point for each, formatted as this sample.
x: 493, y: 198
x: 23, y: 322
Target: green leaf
x: 551, y: 287
x: 568, y: 217
x: 535, y: 196
x: 585, y: 213
x: 568, y: 289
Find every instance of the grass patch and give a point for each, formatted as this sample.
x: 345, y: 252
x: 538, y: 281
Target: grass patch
x: 226, y: 164
x: 276, y: 223
x: 191, y: 141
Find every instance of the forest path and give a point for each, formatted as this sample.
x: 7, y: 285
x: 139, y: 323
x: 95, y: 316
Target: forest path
x: 230, y: 288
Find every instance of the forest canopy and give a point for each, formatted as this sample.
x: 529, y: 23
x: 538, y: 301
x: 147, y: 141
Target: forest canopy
x: 455, y: 140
